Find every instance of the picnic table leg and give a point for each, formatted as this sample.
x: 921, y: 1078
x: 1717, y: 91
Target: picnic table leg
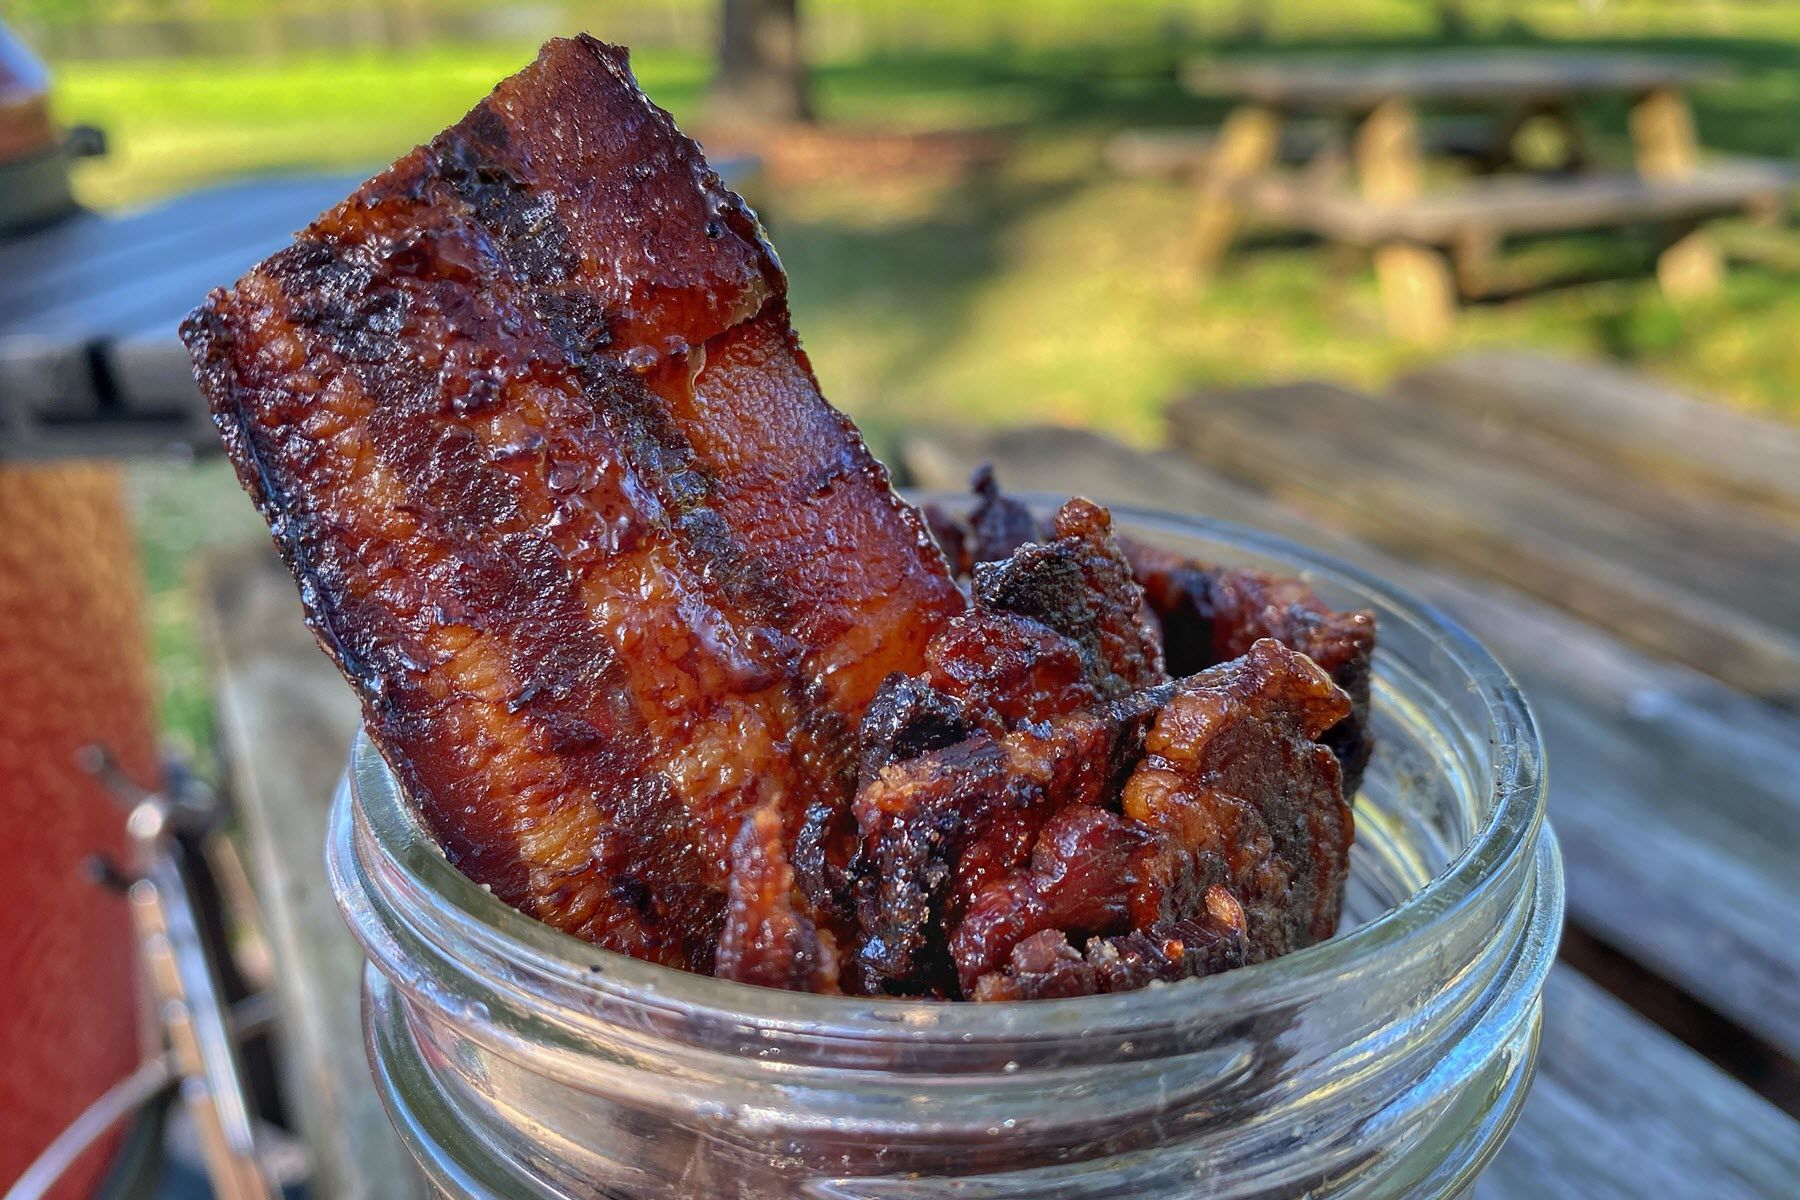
x: 1503, y: 146
x: 1417, y: 288
x: 1662, y: 127
x: 1472, y: 254
x: 1246, y: 147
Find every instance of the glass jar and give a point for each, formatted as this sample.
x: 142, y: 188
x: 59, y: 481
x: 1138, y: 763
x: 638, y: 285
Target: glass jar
x: 1389, y: 1061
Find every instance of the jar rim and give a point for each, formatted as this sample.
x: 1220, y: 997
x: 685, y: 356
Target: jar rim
x: 1506, y: 834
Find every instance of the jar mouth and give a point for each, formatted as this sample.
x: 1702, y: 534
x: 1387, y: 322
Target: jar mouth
x: 412, y: 863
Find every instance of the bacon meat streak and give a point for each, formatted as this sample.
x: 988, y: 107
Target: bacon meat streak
x: 614, y: 582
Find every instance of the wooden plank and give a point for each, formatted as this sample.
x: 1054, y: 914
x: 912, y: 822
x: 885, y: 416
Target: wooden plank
x: 285, y: 721
x: 1699, y: 584
x: 1514, y: 204
x: 1672, y: 795
x: 1744, y: 557
x: 1624, y: 420
x: 1620, y: 1111
x: 1182, y: 152
x: 1342, y: 84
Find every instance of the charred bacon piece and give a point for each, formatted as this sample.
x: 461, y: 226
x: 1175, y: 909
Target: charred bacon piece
x: 936, y: 828
x: 1004, y: 669
x: 1079, y: 583
x: 1045, y: 966
x: 1234, y: 829
x: 1246, y: 799
x: 1079, y: 881
x: 614, y: 582
x: 1201, y: 615
x: 1212, y: 614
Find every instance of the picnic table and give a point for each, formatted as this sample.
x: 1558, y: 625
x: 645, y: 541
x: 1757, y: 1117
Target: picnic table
x: 89, y: 363
x: 1671, y: 1040
x: 1432, y: 246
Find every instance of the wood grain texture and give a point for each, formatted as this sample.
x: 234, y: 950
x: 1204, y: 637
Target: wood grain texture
x: 1627, y: 422
x: 1619, y: 1111
x: 1698, y: 580
x: 1671, y: 793
x: 285, y: 724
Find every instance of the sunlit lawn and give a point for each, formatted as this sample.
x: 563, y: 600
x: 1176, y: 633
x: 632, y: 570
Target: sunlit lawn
x: 1039, y: 288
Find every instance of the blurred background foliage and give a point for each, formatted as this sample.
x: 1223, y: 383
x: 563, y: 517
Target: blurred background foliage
x: 958, y: 248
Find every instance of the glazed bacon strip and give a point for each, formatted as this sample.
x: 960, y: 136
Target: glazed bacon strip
x: 614, y: 582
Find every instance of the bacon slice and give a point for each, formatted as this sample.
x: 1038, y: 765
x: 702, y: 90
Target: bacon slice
x: 615, y: 583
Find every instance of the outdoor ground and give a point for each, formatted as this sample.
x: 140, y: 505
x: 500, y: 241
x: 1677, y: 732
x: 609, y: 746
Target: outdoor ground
x: 1000, y: 279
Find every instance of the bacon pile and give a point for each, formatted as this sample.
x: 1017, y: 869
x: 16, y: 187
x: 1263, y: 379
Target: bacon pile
x: 664, y: 661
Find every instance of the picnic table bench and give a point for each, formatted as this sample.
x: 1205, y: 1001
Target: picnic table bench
x: 1671, y: 1042
x: 1432, y: 247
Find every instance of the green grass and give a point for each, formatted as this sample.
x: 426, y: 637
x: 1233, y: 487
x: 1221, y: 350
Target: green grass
x: 182, y: 511
x: 1039, y: 289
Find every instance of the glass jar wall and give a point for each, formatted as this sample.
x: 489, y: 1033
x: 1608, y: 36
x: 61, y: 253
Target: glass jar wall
x: 1387, y: 1062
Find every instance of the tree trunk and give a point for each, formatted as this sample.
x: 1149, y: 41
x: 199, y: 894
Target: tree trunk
x: 762, y: 73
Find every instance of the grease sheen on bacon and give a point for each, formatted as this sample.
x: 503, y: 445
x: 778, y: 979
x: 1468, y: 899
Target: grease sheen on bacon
x: 528, y: 421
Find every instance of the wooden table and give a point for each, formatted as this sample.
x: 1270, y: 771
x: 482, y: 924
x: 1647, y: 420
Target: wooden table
x: 1410, y: 229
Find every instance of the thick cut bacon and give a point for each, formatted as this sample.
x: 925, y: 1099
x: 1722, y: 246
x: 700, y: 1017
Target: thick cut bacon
x: 528, y: 421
